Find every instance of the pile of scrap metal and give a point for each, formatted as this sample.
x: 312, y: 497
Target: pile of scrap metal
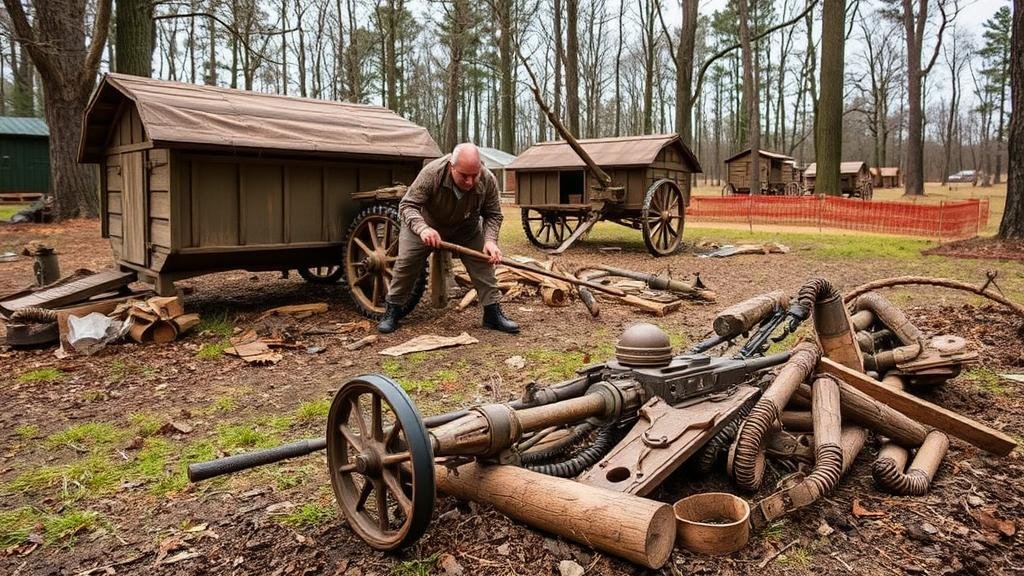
x: 622, y: 427
x: 655, y: 294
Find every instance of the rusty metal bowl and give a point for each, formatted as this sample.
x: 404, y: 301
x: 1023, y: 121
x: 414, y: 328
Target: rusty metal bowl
x: 713, y: 523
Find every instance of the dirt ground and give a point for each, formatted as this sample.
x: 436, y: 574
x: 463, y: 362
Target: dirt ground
x: 92, y: 449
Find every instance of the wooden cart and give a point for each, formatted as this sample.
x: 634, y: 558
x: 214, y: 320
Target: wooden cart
x: 856, y: 179
x: 778, y: 174
x: 562, y: 197
x: 201, y: 179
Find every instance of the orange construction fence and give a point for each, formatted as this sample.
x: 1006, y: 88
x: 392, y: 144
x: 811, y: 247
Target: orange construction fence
x: 953, y: 219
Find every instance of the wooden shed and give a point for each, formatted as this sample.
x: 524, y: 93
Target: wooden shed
x: 777, y: 173
x: 855, y: 177
x: 198, y: 179
x: 886, y: 176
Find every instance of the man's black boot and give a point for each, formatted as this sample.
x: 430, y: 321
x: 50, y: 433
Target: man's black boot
x: 496, y: 320
x: 389, y: 322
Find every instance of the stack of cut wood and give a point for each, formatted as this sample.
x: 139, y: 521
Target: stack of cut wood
x: 158, y: 319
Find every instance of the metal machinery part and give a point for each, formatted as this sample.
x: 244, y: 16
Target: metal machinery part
x: 662, y: 218
x: 371, y: 249
x: 388, y: 458
x: 548, y: 229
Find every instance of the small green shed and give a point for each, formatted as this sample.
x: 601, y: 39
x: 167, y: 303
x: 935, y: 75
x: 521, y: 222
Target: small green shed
x: 24, y: 157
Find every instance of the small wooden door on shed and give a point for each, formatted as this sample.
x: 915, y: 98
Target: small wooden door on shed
x: 133, y: 174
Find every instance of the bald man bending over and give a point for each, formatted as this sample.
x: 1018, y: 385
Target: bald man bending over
x: 456, y: 199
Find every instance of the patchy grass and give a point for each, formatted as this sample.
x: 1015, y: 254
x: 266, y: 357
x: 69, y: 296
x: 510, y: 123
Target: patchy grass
x: 243, y: 436
x: 42, y: 375
x: 87, y: 477
x: 145, y: 424
x: 310, y: 515
x: 27, y: 431
x: 87, y: 435
x: 223, y: 405
x: 557, y: 365
x: 797, y: 556
x: 218, y: 323
x: 9, y: 210
x: 417, y: 566
x: 213, y: 350
x: 987, y: 379
x: 313, y: 410
x: 17, y: 525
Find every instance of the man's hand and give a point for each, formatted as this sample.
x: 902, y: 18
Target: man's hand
x: 431, y: 238
x: 491, y: 249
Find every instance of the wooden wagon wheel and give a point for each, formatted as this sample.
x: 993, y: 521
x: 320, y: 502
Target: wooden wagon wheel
x: 548, y: 229
x: 371, y: 249
x: 662, y: 218
x: 793, y: 189
x: 381, y: 462
x: 728, y: 189
x: 322, y: 274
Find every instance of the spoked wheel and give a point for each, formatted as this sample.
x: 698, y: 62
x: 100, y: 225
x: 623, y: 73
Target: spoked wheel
x: 381, y: 463
x: 549, y: 229
x: 662, y: 218
x: 371, y: 249
x: 793, y: 189
x: 728, y: 189
x: 322, y: 274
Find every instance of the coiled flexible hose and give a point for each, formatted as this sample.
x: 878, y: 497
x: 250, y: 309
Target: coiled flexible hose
x: 34, y: 314
x: 748, y: 457
x: 585, y: 458
x: 888, y: 467
x: 558, y: 447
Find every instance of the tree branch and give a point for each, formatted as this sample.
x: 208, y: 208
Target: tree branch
x: 228, y: 27
x: 707, y: 63
x: 100, y: 31
x: 668, y: 37
x: 938, y: 42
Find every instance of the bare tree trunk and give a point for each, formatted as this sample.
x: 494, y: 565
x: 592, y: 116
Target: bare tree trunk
x: 55, y: 40
x: 135, y: 32
x: 1012, y: 225
x: 572, y: 67
x: 750, y: 96
x: 559, y: 58
x: 684, y: 70
x: 914, y: 31
x: 618, y: 75
x: 828, y: 139
x: 506, y: 62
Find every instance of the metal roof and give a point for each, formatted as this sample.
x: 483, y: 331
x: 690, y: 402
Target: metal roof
x: 606, y: 152
x: 844, y: 168
x: 177, y: 114
x: 495, y: 159
x: 23, y: 126
x: 765, y: 153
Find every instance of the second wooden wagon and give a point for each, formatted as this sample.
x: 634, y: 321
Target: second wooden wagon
x: 560, y: 197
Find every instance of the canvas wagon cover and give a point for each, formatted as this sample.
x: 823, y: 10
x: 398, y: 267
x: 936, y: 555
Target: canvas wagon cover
x: 622, y: 151
x: 179, y: 114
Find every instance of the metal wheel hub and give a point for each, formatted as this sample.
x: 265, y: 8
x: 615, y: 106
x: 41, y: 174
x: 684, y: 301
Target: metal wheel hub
x: 369, y: 463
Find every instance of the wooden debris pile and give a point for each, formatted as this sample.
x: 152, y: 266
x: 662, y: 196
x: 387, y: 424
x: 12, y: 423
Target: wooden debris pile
x: 160, y: 319
x: 275, y: 330
x: 655, y: 294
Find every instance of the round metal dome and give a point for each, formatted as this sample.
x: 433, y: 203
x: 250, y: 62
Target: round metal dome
x: 643, y: 344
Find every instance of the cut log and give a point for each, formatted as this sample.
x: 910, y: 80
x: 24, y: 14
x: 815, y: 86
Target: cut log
x: 631, y: 527
x: 186, y: 322
x: 656, y: 308
x: 467, y: 300
x: 166, y: 307
x: 954, y: 424
x: 440, y: 272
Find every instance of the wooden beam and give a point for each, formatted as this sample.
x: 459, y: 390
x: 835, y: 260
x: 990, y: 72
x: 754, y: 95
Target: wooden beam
x: 925, y: 412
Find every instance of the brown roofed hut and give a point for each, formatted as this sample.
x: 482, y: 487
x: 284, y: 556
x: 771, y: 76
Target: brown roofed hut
x: 777, y: 174
x: 558, y: 195
x: 855, y: 178
x: 886, y: 177
x: 198, y: 179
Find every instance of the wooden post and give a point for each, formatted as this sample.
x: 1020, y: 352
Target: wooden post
x: 440, y: 272
x: 640, y: 530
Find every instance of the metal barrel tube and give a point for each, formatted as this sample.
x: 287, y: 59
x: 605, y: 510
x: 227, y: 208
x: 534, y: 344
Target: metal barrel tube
x: 206, y: 470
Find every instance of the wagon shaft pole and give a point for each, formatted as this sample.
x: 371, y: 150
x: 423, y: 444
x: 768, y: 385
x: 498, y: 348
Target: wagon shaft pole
x: 462, y: 250
x: 602, y: 177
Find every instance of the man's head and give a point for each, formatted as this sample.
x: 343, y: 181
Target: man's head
x: 465, y: 166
